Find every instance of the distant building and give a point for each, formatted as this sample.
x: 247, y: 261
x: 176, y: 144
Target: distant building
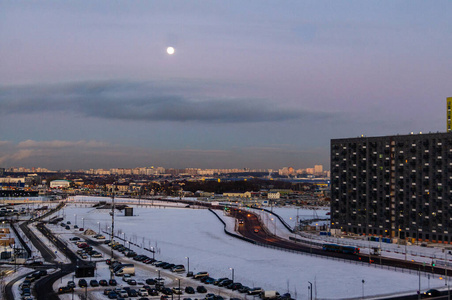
x: 274, y: 195
x: 318, y: 169
x: 393, y: 186
x: 449, y: 114
x: 58, y: 184
x: 238, y: 195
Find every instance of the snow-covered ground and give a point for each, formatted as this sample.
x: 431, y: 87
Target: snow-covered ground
x: 178, y: 232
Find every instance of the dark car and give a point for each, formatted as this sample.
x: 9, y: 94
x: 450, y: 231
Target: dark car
x: 150, y: 281
x: 209, y: 280
x: 225, y: 282
x: 103, y: 282
x: 43, y: 272
x: 234, y: 286
x: 189, y: 290
x: 71, y: 284
x: 432, y: 293
x: 201, y: 289
x: 112, y: 295
x: 168, y: 266
x: 94, y: 283
x: 167, y: 291
x: 107, y: 291
x: 132, y: 282
x: 132, y: 293
x: 35, y: 263
x: 112, y: 282
x: 82, y: 283
x: 219, y: 280
x: 244, y: 289
x: 65, y: 289
x: 153, y: 292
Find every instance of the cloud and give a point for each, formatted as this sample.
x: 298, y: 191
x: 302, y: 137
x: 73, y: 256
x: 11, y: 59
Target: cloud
x: 60, y: 144
x: 152, y: 101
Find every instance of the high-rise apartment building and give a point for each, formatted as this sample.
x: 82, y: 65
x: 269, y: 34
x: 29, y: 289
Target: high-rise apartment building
x: 449, y: 114
x: 394, y: 186
x: 318, y: 169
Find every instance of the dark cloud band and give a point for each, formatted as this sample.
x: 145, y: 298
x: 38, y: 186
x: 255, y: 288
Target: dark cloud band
x: 143, y: 101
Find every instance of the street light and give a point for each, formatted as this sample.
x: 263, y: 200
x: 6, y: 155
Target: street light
x: 153, y: 252
x: 158, y: 272
x: 188, y: 264
x: 363, y: 287
x: 83, y: 221
x: 75, y: 215
x: 98, y: 223
x: 310, y: 290
x: 179, y: 292
x: 232, y: 269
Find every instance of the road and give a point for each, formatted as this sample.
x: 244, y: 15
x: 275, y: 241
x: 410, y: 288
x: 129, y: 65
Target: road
x: 252, y: 224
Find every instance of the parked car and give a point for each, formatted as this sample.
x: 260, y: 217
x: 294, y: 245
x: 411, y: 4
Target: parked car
x: 189, y: 290
x: 107, y: 291
x: 201, y: 289
x: 103, y: 282
x: 178, y: 268
x: 82, y: 283
x: 200, y: 275
x: 255, y: 291
x: 71, y: 284
x: 177, y: 291
x: 209, y: 280
x: 94, y: 283
x: 143, y: 292
x: 167, y: 291
x: 244, y: 289
x: 235, y: 286
x: 112, y: 282
x: 225, y: 282
x: 219, y: 280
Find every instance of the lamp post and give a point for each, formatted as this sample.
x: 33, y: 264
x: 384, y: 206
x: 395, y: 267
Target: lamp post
x: 153, y: 252
x: 83, y: 223
x: 363, y: 287
x: 232, y: 269
x: 75, y: 215
x: 179, y: 292
x: 98, y: 224
x: 158, y: 272
x: 188, y: 264
x: 310, y: 290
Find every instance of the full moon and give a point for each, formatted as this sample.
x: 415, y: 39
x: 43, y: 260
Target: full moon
x: 170, y: 50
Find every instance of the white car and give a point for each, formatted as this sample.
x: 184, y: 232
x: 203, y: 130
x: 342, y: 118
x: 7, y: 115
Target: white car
x: 123, y: 294
x: 143, y: 292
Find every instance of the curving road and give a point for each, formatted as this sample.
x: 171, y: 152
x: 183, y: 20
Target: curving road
x: 253, y: 229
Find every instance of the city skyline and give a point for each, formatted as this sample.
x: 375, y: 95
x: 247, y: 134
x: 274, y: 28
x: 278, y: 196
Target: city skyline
x: 252, y: 85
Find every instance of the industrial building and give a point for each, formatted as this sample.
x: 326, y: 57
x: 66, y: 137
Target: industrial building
x: 393, y: 186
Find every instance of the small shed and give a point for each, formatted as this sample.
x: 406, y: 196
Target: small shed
x: 128, y: 211
x: 85, y: 269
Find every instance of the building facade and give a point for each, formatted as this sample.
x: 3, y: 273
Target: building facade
x: 393, y: 186
x: 449, y: 114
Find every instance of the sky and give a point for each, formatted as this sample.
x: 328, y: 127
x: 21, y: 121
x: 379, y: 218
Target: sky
x: 255, y: 84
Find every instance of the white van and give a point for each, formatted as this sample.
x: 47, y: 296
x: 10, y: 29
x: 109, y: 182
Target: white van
x: 125, y: 270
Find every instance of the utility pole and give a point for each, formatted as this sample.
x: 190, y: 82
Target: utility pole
x: 112, y: 229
